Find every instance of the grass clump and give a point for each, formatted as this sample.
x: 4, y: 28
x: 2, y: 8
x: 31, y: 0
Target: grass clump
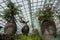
x: 29, y: 37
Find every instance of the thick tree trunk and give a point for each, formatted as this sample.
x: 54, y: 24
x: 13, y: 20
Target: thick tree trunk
x: 10, y: 27
x: 25, y: 29
x: 48, y: 28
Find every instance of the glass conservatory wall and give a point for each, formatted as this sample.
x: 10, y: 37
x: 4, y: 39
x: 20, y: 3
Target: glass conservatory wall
x: 35, y: 6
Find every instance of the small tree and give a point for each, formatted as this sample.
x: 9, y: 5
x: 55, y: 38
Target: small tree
x: 9, y: 16
x: 25, y: 29
x: 45, y: 17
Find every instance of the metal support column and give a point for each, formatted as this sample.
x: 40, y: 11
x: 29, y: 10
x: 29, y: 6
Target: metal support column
x: 29, y: 3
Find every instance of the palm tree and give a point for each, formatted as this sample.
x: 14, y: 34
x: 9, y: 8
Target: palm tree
x: 45, y: 16
x: 9, y: 13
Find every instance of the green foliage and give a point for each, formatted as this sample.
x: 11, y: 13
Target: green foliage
x: 24, y: 37
x: 45, y: 13
x: 34, y: 36
x: 13, y: 8
x: 30, y: 37
x: 37, y: 38
x: 6, y: 13
x: 10, y: 11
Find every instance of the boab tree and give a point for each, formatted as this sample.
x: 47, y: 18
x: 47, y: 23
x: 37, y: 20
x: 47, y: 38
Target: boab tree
x: 25, y: 29
x: 45, y: 16
x: 9, y: 16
